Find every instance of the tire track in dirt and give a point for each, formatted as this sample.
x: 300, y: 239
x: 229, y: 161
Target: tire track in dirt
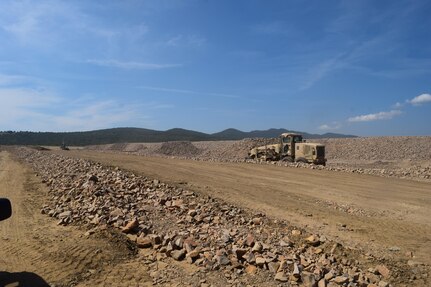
x: 32, y: 242
x: 63, y: 255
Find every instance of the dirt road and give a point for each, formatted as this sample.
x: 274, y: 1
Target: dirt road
x: 35, y: 251
x: 366, y: 211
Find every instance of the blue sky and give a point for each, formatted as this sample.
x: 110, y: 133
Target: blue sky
x: 356, y: 67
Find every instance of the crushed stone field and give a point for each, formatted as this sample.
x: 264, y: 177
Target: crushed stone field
x: 401, y: 157
x: 199, y: 214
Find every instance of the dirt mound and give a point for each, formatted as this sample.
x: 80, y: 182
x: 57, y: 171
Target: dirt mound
x: 122, y: 147
x: 118, y: 146
x: 41, y: 148
x: 134, y: 147
x: 179, y: 148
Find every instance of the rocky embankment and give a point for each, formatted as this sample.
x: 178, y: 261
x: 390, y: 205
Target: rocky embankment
x: 379, y: 148
x: 208, y: 233
x: 401, y: 157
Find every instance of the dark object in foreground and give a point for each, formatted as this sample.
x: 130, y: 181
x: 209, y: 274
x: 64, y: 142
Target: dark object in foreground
x: 5, y: 209
x: 22, y: 279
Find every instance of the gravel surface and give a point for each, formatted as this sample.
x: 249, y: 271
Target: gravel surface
x: 203, y: 231
x: 402, y: 157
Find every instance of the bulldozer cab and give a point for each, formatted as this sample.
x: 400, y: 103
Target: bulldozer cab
x: 288, y: 141
x: 291, y: 138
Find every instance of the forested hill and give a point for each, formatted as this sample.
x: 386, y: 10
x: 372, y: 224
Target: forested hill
x: 118, y: 135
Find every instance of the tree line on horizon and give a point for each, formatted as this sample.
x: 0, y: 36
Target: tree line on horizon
x: 129, y: 135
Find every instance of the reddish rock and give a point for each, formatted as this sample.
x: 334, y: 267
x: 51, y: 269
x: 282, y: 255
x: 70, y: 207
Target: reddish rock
x: 143, y: 242
x: 251, y: 269
x: 383, y: 270
x: 249, y: 241
x: 131, y: 226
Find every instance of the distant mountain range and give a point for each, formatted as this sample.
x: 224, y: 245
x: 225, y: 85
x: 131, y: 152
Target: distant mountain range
x: 129, y: 135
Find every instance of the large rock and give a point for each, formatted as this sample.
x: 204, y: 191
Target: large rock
x: 383, y: 270
x: 65, y: 214
x: 251, y: 269
x: 313, y: 240
x: 143, y: 242
x: 340, y: 280
x: 280, y: 276
x: 131, y: 226
x: 178, y: 254
x: 260, y: 261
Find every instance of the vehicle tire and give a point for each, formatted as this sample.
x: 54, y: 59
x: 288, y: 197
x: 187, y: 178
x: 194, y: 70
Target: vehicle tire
x: 301, y: 159
x: 288, y: 159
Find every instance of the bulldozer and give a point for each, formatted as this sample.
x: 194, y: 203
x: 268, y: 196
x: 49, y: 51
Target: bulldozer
x: 292, y: 148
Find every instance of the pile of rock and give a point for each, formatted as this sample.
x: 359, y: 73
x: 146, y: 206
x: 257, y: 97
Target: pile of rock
x: 364, y: 148
x: 179, y: 148
x: 200, y: 230
x: 401, y: 157
x: 230, y: 150
x: 378, y: 148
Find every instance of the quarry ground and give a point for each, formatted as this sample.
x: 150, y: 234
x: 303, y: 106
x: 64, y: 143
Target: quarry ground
x: 35, y: 251
x: 388, y: 217
x: 374, y: 213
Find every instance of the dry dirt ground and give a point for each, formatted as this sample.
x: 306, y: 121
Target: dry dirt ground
x: 35, y: 251
x: 388, y: 216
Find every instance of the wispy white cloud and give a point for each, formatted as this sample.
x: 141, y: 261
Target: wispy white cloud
x: 6, y: 79
x: 350, y: 57
x: 25, y: 22
x: 35, y: 24
x: 375, y: 117
x: 186, y: 40
x: 12, y: 98
x: 356, y: 50
x: 319, y: 71
x: 332, y: 126
x: 387, y: 115
x: 21, y: 108
x: 131, y: 65
x: 97, y: 115
x: 39, y: 110
x: 421, y: 99
x: 397, y: 105
x: 190, y: 92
